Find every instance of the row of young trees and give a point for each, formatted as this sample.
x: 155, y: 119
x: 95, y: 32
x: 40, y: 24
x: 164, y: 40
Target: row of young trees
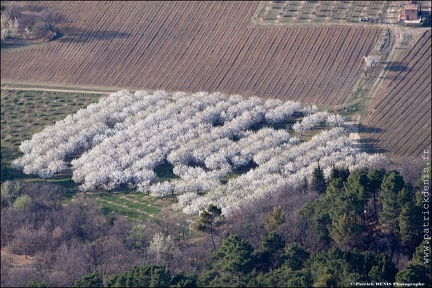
x: 125, y: 137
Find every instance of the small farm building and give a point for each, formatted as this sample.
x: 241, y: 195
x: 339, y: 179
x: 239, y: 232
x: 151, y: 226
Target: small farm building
x: 411, y: 12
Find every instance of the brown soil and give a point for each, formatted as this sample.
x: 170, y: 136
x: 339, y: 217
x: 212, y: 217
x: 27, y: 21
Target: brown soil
x: 17, y: 260
x: 193, y: 46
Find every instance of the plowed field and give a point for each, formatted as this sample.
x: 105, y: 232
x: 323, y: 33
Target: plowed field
x: 400, y: 118
x: 193, y: 46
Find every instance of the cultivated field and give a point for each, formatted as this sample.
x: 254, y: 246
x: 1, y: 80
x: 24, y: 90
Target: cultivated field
x: 193, y: 46
x: 327, y: 12
x: 400, y: 117
x: 25, y: 113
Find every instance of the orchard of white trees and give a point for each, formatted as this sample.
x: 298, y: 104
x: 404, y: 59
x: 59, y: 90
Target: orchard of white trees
x: 207, y: 139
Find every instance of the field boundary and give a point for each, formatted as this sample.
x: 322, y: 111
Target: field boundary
x: 29, y: 86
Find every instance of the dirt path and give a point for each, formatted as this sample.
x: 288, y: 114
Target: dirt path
x: 17, y: 260
x: 58, y: 90
x: 66, y: 88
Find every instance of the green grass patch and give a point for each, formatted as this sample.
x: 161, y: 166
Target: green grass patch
x: 130, y: 203
x: 134, y: 206
x: 110, y: 208
x: 165, y: 171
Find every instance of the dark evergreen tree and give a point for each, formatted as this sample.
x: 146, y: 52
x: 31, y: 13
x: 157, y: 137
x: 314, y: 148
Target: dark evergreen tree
x: 383, y: 270
x: 318, y: 181
x: 335, y: 188
x: 375, y: 179
x: 208, y: 278
x: 345, y: 232
x: 422, y: 253
x: 339, y: 268
x: 391, y: 185
x: 89, y: 280
x: 414, y: 274
x: 181, y: 280
x: 296, y: 257
x: 318, y: 213
x: 142, y: 276
x: 235, y: 258
x: 348, y: 197
x: 282, y: 277
x: 358, y: 182
x: 404, y: 196
x: 37, y: 284
x: 339, y: 173
x: 410, y: 224
x: 269, y: 256
x: 208, y: 219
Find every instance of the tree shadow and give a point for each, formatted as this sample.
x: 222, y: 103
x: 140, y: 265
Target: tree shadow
x: 9, y: 45
x: 34, y: 8
x: 370, y: 143
x: 80, y: 35
x: 396, y: 66
x: 369, y: 129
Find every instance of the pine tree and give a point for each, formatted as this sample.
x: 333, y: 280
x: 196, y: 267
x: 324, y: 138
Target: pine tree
x: 341, y: 173
x: 296, y: 256
x: 375, y: 179
x: 345, y: 232
x: 391, y: 185
x: 357, y: 192
x: 89, y: 280
x: 413, y: 274
x: 405, y: 196
x: 358, y: 182
x: 383, y: 270
x: 235, y: 257
x: 422, y: 254
x: 208, y: 220
x: 410, y: 225
x: 318, y: 181
x: 269, y: 255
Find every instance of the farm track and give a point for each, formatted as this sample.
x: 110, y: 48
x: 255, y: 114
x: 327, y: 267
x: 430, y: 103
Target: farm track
x: 192, y: 46
x: 58, y: 90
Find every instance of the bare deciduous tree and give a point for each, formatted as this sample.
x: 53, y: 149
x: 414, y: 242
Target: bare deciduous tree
x: 51, y: 17
x: 13, y: 11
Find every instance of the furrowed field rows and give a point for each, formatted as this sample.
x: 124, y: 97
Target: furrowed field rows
x: 327, y: 61
x: 169, y: 53
x: 402, y: 110
x: 315, y: 53
x: 193, y: 46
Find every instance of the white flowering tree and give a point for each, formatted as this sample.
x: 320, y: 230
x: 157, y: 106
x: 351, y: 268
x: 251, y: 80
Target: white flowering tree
x: 206, y: 138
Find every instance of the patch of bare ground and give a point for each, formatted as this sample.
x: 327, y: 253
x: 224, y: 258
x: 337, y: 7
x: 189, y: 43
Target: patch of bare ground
x: 17, y: 260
